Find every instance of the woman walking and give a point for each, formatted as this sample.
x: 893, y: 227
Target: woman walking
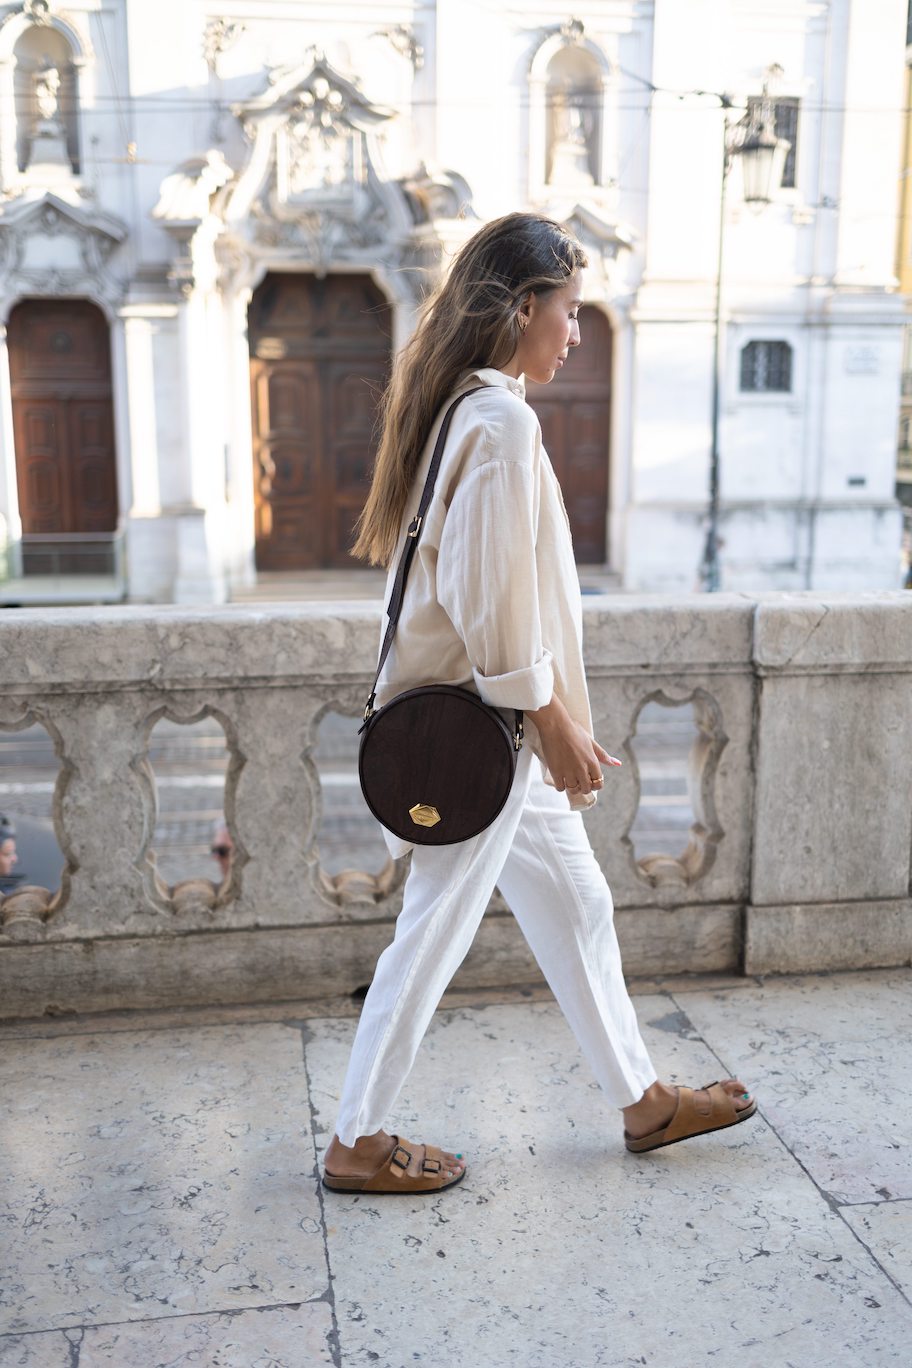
x: 493, y: 604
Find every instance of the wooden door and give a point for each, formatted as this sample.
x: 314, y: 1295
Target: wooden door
x: 575, y: 414
x: 319, y: 357
x: 63, y: 426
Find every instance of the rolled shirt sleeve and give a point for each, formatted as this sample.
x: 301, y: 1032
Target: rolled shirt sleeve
x: 487, y: 583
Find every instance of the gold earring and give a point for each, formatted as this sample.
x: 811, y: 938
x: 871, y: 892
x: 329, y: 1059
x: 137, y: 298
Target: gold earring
x: 523, y: 322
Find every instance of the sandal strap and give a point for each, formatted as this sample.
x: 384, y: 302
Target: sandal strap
x: 433, y: 1159
x: 401, y: 1157
x: 691, y: 1119
x: 393, y: 1172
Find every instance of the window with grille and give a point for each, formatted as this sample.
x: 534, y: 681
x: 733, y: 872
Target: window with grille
x: 766, y: 366
x: 785, y: 124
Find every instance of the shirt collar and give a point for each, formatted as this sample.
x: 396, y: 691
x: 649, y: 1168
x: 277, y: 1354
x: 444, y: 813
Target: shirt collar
x: 489, y: 376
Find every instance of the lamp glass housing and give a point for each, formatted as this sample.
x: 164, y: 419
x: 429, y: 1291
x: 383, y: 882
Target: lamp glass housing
x: 762, y: 157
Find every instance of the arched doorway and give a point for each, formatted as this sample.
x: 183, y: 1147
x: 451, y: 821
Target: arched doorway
x: 319, y: 356
x: 63, y: 430
x: 575, y: 415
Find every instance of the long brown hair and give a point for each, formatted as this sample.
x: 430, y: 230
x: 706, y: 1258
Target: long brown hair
x: 470, y: 320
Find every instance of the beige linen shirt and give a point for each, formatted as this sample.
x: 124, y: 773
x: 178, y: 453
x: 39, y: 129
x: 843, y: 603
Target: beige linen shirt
x: 492, y: 602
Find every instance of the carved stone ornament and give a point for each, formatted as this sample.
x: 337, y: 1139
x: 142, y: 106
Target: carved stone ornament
x: 47, y: 92
x: 39, y: 11
x: 434, y: 195
x: 185, y: 195
x: 402, y: 38
x: 572, y: 31
x: 218, y: 36
x: 313, y: 188
x: 185, y: 210
x: 48, y: 246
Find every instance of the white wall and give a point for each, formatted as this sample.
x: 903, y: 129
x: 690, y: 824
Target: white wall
x: 814, y: 268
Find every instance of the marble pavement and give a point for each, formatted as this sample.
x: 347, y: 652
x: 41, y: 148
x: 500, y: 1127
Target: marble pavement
x: 158, y: 1202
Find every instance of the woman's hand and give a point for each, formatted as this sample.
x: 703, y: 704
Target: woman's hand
x: 573, y: 758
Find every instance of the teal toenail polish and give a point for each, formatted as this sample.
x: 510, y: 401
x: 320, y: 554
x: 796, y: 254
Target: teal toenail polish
x: 458, y: 1156
x: 745, y: 1096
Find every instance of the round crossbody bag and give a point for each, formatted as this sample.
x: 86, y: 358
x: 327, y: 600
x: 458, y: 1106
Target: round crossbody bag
x: 436, y: 763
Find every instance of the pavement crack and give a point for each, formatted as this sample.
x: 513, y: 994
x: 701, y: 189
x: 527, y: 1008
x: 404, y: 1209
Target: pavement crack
x: 74, y: 1346
x: 833, y: 1204
x: 333, y: 1340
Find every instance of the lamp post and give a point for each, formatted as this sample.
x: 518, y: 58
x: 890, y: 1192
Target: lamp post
x: 753, y: 139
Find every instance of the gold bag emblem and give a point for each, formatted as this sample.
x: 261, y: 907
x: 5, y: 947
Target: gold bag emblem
x: 422, y: 814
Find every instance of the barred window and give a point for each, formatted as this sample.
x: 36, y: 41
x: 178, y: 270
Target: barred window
x: 766, y: 366
x: 785, y: 124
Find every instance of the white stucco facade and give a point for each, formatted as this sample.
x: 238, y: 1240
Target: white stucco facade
x: 195, y: 174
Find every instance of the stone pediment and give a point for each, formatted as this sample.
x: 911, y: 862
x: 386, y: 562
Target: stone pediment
x: 50, y: 246
x: 308, y: 86
x: 313, y: 183
x: 312, y: 143
x: 609, y: 236
x: 606, y: 240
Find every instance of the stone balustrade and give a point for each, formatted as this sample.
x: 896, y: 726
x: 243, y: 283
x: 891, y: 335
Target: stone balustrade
x: 800, y: 780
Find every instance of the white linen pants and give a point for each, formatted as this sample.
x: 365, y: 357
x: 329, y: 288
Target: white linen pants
x: 539, y: 855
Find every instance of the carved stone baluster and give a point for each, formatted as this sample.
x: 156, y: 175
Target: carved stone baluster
x: 275, y: 805
x: 105, y: 820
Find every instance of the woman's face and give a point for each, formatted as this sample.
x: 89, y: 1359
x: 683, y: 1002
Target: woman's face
x: 8, y: 856
x: 550, y: 333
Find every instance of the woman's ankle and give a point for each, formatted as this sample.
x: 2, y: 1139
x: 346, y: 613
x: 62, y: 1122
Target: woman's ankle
x: 362, y: 1143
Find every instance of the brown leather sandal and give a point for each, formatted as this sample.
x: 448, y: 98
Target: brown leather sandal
x: 690, y: 1120
x: 392, y: 1177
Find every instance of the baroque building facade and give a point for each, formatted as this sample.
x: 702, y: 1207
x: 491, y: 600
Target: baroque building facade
x: 218, y: 224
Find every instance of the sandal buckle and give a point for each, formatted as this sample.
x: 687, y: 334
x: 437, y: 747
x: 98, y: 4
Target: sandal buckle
x: 432, y: 1166
x: 394, y: 1157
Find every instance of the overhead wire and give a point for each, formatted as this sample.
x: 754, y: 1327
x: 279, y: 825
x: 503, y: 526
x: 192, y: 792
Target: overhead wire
x: 182, y: 104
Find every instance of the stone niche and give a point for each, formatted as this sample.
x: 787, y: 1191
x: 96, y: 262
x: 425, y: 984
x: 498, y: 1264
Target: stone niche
x: 574, y: 118
x: 568, y: 153
x: 45, y: 101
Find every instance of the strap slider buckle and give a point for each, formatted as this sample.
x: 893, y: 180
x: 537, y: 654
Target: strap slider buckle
x: 415, y: 525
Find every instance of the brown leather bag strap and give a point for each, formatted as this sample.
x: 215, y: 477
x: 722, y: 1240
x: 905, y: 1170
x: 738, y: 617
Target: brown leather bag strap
x: 411, y: 543
x: 408, y: 553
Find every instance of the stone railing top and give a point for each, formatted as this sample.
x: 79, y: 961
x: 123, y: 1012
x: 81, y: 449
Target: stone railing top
x: 860, y: 631
x: 77, y: 649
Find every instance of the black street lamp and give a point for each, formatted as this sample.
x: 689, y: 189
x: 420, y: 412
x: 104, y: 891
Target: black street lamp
x: 753, y: 139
